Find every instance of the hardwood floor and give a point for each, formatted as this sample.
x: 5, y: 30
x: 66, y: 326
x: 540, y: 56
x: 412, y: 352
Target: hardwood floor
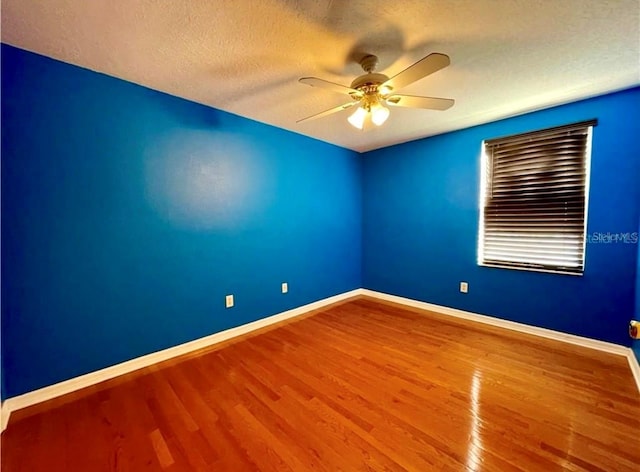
x: 362, y: 385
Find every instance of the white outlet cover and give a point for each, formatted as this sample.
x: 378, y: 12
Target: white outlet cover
x: 228, y: 301
x: 464, y: 287
x: 285, y: 287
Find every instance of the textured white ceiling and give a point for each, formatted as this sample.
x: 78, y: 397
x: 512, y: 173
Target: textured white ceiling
x: 245, y: 56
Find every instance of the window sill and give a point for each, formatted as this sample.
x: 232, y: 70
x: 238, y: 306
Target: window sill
x: 532, y: 269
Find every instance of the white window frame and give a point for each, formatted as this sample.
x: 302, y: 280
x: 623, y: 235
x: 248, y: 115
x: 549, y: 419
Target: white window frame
x: 485, y: 176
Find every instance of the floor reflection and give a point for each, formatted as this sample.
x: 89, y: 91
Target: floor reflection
x: 474, y: 449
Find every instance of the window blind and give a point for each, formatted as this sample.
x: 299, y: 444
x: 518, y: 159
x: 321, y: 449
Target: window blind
x: 535, y: 199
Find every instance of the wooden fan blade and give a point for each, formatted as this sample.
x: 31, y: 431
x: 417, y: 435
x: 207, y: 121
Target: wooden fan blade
x: 412, y: 101
x: 328, y: 112
x: 424, y: 67
x: 316, y: 82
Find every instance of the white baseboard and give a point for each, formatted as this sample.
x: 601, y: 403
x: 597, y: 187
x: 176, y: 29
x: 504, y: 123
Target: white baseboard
x: 92, y: 378
x: 4, y: 416
x: 47, y: 393
x: 512, y: 325
x: 635, y: 366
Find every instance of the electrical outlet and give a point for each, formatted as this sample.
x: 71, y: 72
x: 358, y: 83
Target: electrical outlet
x: 464, y: 287
x: 228, y: 301
x: 285, y: 287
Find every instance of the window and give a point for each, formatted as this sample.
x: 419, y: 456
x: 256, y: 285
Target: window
x: 534, y: 200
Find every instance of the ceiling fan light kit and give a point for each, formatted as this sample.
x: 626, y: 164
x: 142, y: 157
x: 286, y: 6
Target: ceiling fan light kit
x: 370, y: 108
x: 372, y: 91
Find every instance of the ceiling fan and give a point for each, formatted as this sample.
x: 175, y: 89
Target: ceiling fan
x: 372, y: 91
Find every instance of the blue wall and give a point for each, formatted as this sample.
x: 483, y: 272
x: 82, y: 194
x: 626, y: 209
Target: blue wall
x: 420, y: 225
x: 129, y: 214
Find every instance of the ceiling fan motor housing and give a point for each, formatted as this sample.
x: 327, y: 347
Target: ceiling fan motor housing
x: 366, y: 80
